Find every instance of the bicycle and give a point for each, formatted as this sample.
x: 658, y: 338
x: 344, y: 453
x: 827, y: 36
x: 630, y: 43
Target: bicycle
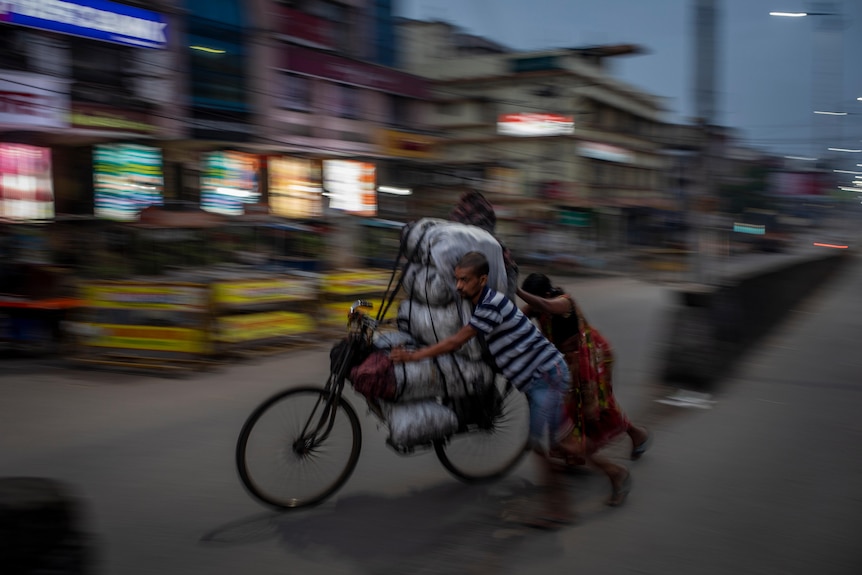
x: 314, y: 434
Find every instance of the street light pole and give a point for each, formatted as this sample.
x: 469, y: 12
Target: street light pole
x: 825, y: 97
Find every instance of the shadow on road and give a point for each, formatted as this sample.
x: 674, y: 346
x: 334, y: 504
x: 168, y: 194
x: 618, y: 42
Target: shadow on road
x: 448, y: 528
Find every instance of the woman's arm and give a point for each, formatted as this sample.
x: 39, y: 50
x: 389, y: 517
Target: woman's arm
x: 560, y: 305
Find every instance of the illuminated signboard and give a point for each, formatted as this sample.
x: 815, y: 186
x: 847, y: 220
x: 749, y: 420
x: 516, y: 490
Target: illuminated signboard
x: 294, y: 188
x: 96, y: 19
x: 26, y: 192
x: 33, y: 100
x: 127, y: 179
x: 230, y: 181
x: 350, y: 186
x: 605, y: 152
x: 527, y: 124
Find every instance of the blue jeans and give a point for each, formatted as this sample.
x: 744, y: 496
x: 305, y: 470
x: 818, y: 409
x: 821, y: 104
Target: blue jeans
x: 546, y: 394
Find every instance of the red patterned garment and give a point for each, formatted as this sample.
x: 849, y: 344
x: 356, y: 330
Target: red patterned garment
x: 592, y: 406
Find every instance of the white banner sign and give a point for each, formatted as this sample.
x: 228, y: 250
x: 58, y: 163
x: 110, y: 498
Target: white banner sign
x: 33, y: 100
x: 529, y: 124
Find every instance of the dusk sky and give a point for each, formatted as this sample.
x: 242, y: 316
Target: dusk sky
x: 772, y: 73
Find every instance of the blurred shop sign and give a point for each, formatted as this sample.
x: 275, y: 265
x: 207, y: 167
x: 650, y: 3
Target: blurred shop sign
x: 576, y: 218
x: 149, y: 338
x: 33, y: 100
x: 95, y: 19
x: 406, y: 144
x: 96, y: 117
x: 605, y: 152
x: 532, y: 124
x: 263, y: 291
x: 295, y: 190
x: 263, y: 326
x: 306, y: 28
x: 331, y: 67
x: 351, y: 186
x: 145, y: 296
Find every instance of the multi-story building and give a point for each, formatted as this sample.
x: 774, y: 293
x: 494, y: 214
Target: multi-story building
x: 221, y: 103
x: 550, y: 135
x: 326, y: 98
x: 76, y: 77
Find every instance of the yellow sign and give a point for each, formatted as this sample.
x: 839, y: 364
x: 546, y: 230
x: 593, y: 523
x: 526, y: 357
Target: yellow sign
x: 348, y: 283
x: 145, y: 296
x: 173, y: 339
x: 89, y: 121
x: 407, y: 144
x: 258, y: 326
x: 253, y: 292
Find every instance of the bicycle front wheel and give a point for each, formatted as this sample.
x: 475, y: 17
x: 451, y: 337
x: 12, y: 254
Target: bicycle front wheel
x: 487, y: 453
x: 282, y: 463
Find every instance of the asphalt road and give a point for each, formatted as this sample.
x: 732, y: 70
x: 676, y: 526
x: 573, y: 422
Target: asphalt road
x: 763, y: 480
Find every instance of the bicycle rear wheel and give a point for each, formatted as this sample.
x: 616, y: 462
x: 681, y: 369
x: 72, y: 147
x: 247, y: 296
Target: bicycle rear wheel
x: 483, y: 454
x: 283, y: 468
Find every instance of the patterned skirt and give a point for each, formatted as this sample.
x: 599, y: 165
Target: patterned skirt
x: 591, y: 405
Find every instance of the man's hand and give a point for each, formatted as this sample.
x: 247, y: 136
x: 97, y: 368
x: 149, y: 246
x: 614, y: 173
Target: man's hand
x: 400, y: 355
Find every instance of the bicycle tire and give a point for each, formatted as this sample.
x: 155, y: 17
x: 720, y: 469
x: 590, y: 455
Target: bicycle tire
x: 479, y: 455
x: 271, y: 467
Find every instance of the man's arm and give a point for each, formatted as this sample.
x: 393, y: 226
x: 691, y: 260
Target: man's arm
x: 448, y: 345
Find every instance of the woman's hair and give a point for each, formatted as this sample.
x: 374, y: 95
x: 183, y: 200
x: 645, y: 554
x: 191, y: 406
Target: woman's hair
x: 475, y: 261
x: 540, y: 285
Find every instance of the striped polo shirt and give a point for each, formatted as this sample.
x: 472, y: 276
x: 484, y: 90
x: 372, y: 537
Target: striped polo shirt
x: 518, y: 347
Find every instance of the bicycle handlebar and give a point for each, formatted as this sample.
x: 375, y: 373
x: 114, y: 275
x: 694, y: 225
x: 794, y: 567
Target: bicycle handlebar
x: 361, y: 303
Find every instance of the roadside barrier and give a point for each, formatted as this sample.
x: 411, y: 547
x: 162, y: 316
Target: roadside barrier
x: 263, y: 314
x: 145, y: 324
x: 713, y: 326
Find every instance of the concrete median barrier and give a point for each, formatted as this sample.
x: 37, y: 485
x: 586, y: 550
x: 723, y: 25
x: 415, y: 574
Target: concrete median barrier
x: 712, y: 327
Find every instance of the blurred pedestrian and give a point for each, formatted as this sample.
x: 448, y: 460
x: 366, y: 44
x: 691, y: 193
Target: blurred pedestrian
x: 474, y: 209
x: 598, y: 418
x: 530, y: 362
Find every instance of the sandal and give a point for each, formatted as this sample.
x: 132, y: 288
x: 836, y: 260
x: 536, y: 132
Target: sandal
x: 620, y: 491
x: 641, y: 448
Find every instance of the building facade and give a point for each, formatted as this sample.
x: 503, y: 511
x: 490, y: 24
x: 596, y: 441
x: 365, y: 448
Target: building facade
x: 551, y: 136
x: 235, y: 106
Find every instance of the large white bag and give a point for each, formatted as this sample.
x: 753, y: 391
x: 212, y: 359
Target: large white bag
x: 426, y: 284
x: 442, y: 243
x: 429, y: 324
x: 420, y: 422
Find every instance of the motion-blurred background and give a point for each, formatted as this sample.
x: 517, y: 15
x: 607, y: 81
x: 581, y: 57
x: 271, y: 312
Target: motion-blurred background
x: 287, y: 141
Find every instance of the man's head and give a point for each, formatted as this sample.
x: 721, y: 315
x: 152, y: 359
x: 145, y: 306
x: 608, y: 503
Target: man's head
x: 471, y: 275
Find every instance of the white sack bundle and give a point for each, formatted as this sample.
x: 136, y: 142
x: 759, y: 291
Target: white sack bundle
x: 442, y: 243
x: 387, y: 339
x: 413, y: 237
x: 425, y: 284
x: 429, y: 324
x: 462, y: 375
x: 418, y: 380
x: 420, y: 422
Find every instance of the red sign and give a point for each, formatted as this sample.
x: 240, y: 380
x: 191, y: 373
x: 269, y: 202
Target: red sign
x: 303, y: 26
x: 323, y: 65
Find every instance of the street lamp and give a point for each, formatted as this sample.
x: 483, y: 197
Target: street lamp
x: 824, y: 74
x: 801, y: 14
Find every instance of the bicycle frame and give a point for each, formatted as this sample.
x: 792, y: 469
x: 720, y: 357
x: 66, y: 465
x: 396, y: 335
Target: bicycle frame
x: 360, y: 327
